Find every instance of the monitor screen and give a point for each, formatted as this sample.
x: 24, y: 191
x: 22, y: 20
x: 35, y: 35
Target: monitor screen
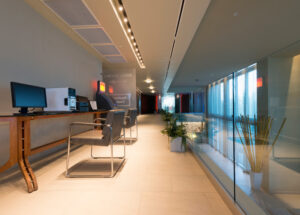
x: 24, y: 95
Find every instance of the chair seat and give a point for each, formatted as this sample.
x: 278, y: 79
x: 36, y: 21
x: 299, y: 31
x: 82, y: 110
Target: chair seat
x: 92, y: 137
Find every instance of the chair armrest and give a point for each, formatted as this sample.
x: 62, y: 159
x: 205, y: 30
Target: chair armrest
x: 86, y: 123
x: 101, y: 119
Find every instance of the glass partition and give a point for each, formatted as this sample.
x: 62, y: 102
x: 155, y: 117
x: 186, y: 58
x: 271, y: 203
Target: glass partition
x: 249, y: 135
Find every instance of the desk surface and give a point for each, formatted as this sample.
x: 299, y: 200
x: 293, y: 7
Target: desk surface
x: 51, y: 114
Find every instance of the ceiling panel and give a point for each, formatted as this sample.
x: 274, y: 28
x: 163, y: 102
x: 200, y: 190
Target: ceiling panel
x: 94, y: 35
x: 107, y: 49
x: 74, y: 12
x: 115, y: 59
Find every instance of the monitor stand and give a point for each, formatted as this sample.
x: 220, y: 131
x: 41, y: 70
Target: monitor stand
x: 23, y: 110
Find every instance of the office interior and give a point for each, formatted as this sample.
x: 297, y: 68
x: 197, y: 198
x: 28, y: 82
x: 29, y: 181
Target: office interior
x: 86, y: 86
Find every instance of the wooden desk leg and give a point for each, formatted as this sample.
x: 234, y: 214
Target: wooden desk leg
x: 24, y: 149
x: 26, y: 175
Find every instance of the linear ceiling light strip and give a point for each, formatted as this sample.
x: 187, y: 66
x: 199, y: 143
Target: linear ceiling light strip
x: 128, y: 32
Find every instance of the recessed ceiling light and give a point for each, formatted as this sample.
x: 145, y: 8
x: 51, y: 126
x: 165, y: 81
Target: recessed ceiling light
x: 148, y: 80
x: 121, y: 8
x: 152, y: 91
x: 151, y: 87
x: 136, y: 49
x: 128, y: 30
x: 125, y: 20
x: 134, y: 43
x: 132, y: 37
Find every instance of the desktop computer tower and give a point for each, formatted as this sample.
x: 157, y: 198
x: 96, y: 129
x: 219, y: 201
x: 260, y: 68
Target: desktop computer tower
x: 60, y: 99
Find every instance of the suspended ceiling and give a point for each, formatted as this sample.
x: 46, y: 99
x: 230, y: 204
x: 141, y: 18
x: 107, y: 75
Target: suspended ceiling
x: 93, y: 25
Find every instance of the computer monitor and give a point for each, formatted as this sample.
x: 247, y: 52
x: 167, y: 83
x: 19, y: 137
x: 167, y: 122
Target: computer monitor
x: 27, y: 96
x: 104, y: 101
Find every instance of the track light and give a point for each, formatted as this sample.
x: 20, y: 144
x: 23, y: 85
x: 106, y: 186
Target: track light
x: 120, y: 13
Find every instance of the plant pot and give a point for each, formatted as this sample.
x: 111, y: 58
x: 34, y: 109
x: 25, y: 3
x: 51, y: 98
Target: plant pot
x: 256, y: 180
x: 176, y: 145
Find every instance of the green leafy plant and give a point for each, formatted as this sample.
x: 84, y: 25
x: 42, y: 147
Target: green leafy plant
x: 173, y: 130
x: 166, y: 116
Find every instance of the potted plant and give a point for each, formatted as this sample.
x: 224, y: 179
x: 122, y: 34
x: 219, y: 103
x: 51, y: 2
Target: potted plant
x: 256, y: 143
x: 166, y: 116
x: 178, y: 135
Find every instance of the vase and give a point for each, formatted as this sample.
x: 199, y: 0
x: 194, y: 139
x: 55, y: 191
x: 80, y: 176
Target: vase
x: 255, y: 180
x: 176, y: 145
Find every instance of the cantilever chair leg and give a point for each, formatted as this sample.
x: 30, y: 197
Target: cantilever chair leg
x: 130, y: 135
x: 137, y: 133
x: 112, y: 160
x: 68, y: 156
x: 124, y: 142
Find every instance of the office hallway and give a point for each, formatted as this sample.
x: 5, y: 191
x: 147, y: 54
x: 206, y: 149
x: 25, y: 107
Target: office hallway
x: 153, y: 181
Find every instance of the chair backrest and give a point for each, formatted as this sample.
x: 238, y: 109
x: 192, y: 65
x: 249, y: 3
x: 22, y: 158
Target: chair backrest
x: 131, y: 116
x: 115, y: 118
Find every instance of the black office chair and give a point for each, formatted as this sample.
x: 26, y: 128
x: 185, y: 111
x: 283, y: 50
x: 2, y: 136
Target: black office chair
x: 130, y: 121
x: 110, y: 134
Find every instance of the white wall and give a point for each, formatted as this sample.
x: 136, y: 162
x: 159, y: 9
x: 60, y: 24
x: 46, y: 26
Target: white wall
x: 124, y: 83
x: 284, y: 101
x: 33, y: 51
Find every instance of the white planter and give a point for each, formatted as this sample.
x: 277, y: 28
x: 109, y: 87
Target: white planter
x: 176, y: 145
x: 255, y: 179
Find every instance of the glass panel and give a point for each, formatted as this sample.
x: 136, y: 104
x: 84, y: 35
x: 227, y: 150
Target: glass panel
x: 168, y: 102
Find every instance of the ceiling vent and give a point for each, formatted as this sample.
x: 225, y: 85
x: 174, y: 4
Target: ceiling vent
x: 115, y: 59
x: 107, y: 49
x: 94, y: 35
x: 80, y: 18
x: 74, y: 12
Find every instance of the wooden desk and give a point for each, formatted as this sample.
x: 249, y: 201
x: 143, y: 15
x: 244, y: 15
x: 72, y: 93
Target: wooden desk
x: 20, y: 143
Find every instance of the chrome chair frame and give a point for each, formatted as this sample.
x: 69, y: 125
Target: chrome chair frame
x: 123, y: 158
x: 136, y: 131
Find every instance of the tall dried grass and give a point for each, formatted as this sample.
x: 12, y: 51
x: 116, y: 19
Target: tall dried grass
x: 257, y: 146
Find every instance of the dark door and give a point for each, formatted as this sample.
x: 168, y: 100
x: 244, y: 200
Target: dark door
x: 148, y: 103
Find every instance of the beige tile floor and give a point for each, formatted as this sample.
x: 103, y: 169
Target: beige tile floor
x: 153, y: 181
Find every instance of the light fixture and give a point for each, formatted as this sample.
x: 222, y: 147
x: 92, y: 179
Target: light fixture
x: 151, y: 87
x: 148, y: 80
x: 117, y: 6
x: 152, y: 91
x: 136, y: 49
x: 134, y: 43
